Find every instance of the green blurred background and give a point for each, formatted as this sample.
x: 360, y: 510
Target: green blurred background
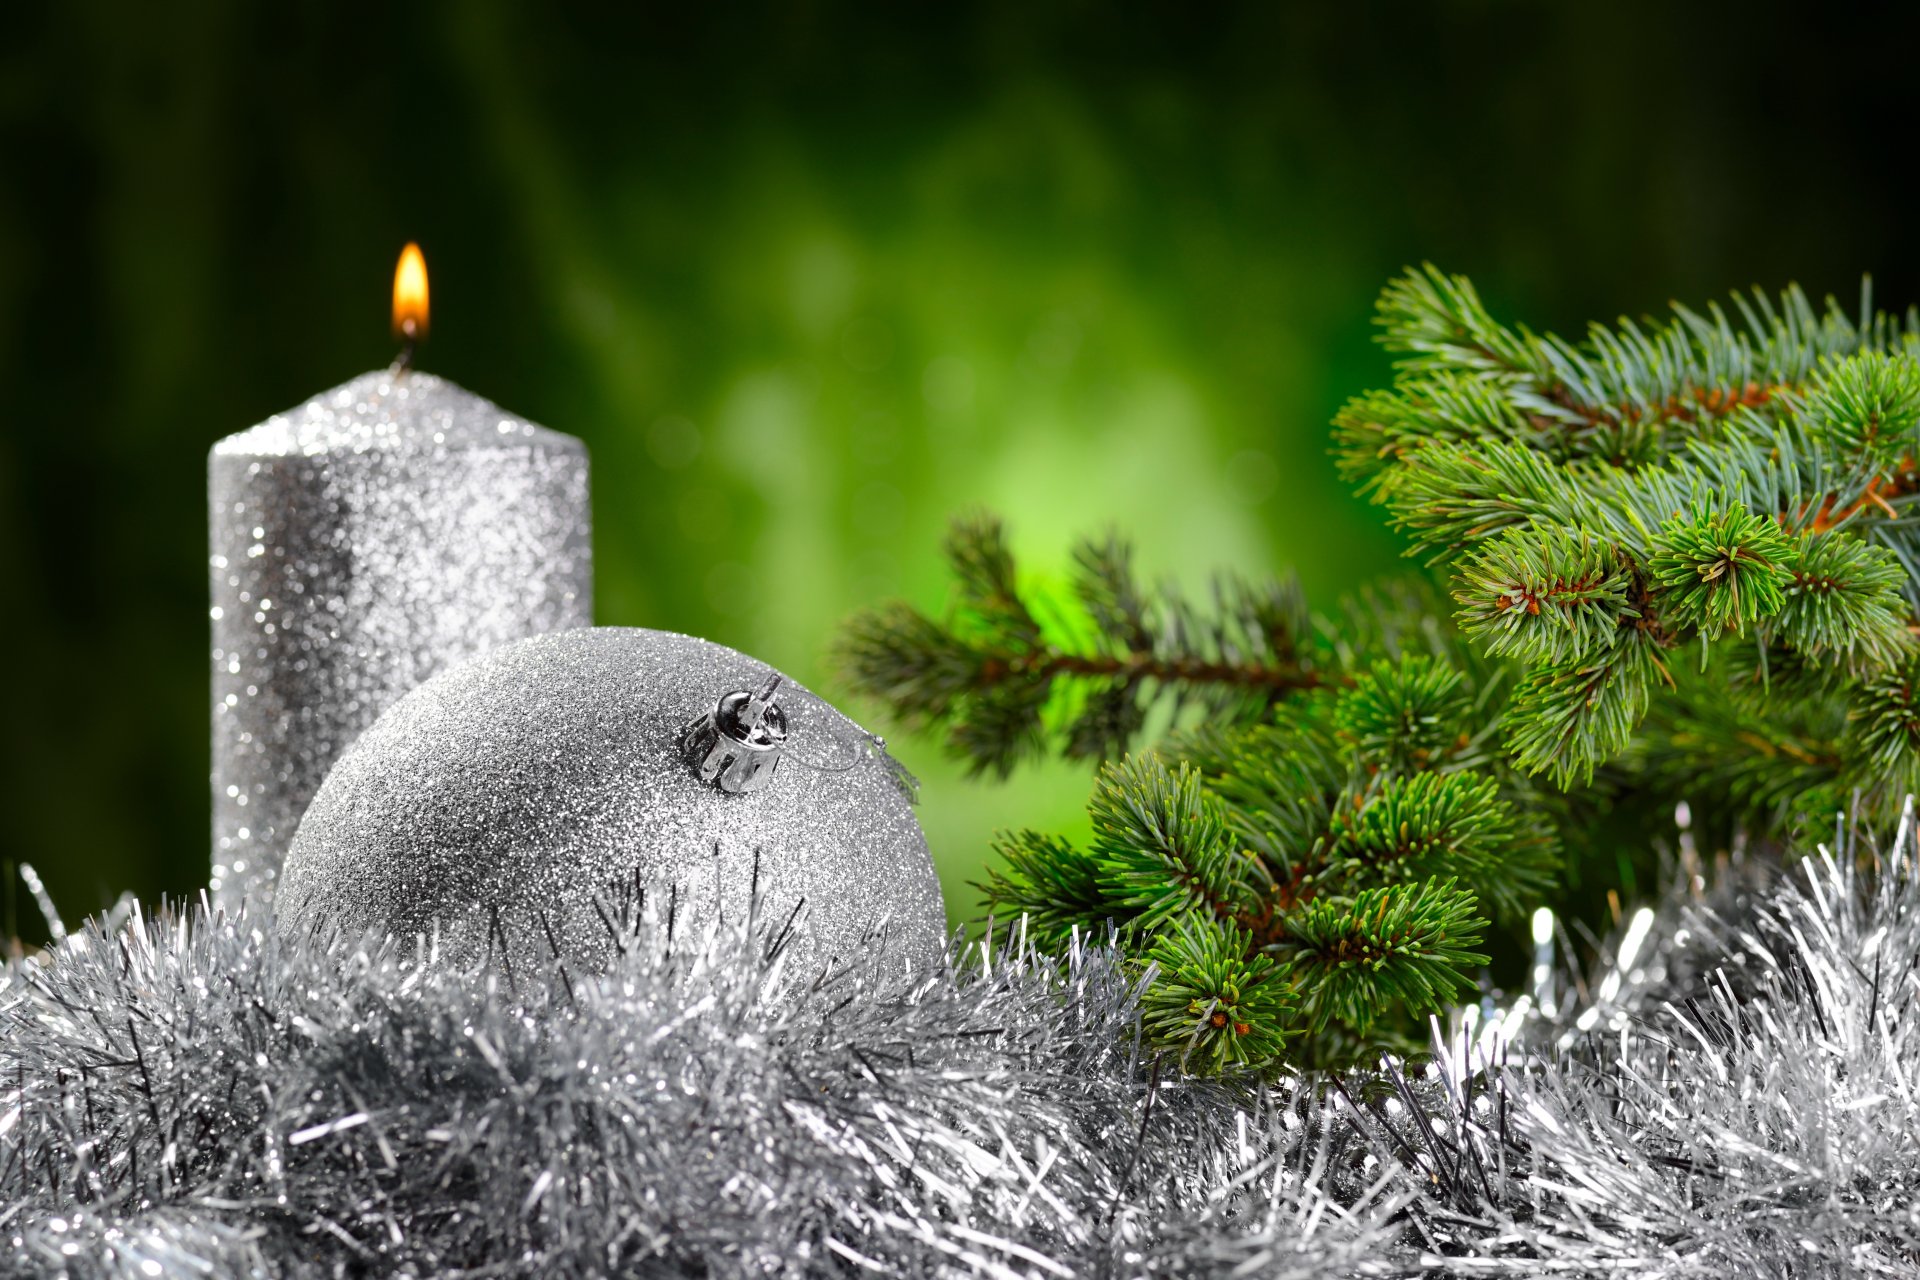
x: 810, y: 277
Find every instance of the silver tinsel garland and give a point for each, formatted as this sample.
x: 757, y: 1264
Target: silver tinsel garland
x: 1731, y: 1094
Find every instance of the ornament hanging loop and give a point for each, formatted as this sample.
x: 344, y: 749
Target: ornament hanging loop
x: 736, y: 746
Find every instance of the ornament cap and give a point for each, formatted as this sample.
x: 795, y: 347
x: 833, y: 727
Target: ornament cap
x: 736, y: 746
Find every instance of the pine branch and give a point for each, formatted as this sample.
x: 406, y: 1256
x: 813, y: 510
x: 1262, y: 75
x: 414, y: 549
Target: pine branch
x: 1887, y: 715
x: 1679, y: 376
x: 1340, y: 799
x: 1054, y: 885
x: 1868, y: 408
x: 1215, y: 1000
x: 1568, y: 719
x: 1438, y: 322
x: 1381, y: 769
x: 1428, y: 825
x: 1448, y: 496
x: 1758, y: 478
x: 1165, y: 848
x: 1004, y: 687
x: 1549, y: 598
x: 1353, y: 958
x: 1168, y: 868
x: 1842, y: 603
x: 1722, y: 569
x: 1281, y: 784
x: 1406, y: 715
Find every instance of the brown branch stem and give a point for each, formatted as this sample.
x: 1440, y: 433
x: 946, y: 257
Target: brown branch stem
x: 1147, y: 666
x: 1688, y: 406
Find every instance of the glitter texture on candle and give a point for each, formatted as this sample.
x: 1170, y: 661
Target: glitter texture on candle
x: 358, y: 544
x: 492, y: 806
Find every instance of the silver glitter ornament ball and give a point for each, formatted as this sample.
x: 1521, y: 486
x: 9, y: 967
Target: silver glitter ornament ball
x: 512, y: 804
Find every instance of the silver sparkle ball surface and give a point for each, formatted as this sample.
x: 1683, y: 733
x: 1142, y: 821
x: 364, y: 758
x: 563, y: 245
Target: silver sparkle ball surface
x: 497, y: 805
x: 360, y: 543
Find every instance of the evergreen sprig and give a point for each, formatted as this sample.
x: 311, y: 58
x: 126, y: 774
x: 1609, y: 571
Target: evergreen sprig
x: 1886, y: 716
x: 1216, y: 999
x: 1557, y: 597
x: 1361, y: 928
x: 1327, y: 774
x: 1722, y: 569
x: 1165, y: 849
x: 1599, y: 505
x: 1322, y: 813
x: 1005, y: 687
x: 1406, y: 943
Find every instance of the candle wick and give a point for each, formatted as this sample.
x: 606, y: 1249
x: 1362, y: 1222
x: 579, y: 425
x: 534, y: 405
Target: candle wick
x: 404, y: 361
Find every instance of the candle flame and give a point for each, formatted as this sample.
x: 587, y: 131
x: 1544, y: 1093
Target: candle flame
x: 410, y: 295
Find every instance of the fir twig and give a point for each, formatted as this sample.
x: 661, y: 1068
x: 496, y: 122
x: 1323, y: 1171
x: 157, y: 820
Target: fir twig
x: 1004, y: 687
x: 1379, y: 773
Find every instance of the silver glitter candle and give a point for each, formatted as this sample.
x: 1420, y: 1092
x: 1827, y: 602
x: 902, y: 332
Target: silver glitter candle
x: 361, y: 542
